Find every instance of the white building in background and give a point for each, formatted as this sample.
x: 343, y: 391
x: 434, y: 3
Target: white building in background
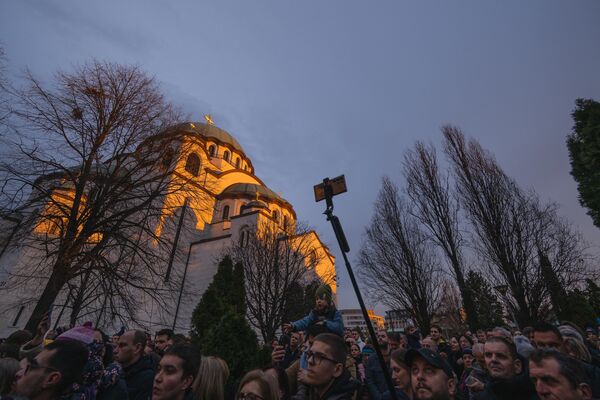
x: 216, y: 164
x: 353, y: 318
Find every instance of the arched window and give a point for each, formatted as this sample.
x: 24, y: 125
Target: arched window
x: 167, y: 158
x: 192, y: 164
x: 276, y: 215
x: 286, y: 222
x: 244, y: 236
x: 226, y: 155
x: 211, y: 150
x: 237, y: 163
x: 225, y: 213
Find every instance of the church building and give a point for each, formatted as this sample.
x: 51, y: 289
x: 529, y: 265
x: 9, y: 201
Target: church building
x: 232, y: 202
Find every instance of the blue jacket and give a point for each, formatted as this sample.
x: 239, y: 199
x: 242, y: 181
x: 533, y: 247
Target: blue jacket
x: 333, y: 322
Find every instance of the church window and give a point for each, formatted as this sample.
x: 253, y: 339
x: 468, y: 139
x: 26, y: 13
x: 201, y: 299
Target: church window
x: 192, y: 164
x: 226, y: 155
x: 275, y: 215
x: 237, y: 163
x: 244, y: 236
x: 225, y: 213
x: 211, y: 150
x: 167, y: 158
x: 286, y: 222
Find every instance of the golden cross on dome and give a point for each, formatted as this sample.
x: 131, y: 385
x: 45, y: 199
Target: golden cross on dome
x: 208, y: 119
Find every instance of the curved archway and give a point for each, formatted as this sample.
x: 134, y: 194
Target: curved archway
x: 226, y: 155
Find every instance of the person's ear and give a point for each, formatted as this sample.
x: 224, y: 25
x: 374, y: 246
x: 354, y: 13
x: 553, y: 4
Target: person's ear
x: 52, y: 379
x: 518, y: 366
x: 452, y: 386
x: 585, y: 390
x: 187, y: 382
x: 339, y: 368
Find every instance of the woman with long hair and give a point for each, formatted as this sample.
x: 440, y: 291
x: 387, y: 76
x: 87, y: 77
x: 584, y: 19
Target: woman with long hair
x: 211, y: 379
x: 400, y: 375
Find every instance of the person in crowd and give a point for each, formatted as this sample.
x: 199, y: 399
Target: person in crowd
x: 138, y: 367
x: 292, y: 350
x: 395, y: 341
x: 8, y: 373
x: 211, y: 379
x: 508, y: 375
x: 359, y: 367
x: 468, y: 360
x: 112, y: 385
x: 455, y: 356
x: 257, y: 385
x: 557, y: 376
x: 176, y: 372
x: 324, y: 313
x: 51, y: 374
x: 481, y: 336
x: 435, y: 333
x: 528, y: 333
x: 374, y: 377
x: 478, y: 349
x: 524, y: 347
x: 327, y: 378
x: 546, y: 335
x: 400, y: 376
x: 355, y: 333
x: 465, y: 341
x: 432, y: 377
x: 413, y: 337
x: 500, y: 331
x: 177, y: 338
x: 576, y: 349
x: 430, y: 344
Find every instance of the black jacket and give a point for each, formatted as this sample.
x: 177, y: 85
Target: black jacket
x: 518, y: 388
x: 375, y: 379
x: 140, y: 378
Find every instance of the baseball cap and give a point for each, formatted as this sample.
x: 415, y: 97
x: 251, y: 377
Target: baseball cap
x: 431, y: 358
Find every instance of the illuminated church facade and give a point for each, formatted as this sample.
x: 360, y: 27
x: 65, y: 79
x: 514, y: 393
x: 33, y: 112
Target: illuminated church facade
x: 234, y: 202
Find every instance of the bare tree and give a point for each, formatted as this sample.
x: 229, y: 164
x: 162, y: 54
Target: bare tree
x: 275, y: 261
x: 397, y: 260
x: 511, y: 228
x: 89, y: 169
x: 437, y: 210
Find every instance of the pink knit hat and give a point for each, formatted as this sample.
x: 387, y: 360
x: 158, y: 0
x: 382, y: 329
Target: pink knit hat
x: 83, y: 334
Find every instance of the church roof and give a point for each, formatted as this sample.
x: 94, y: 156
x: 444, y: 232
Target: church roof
x: 251, y: 189
x: 209, y: 131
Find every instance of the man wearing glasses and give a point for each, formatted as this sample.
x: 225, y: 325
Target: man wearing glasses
x: 326, y: 376
x: 52, y: 372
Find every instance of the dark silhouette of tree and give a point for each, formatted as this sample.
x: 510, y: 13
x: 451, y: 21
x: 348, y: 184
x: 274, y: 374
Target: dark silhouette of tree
x: 275, y: 261
x: 584, y: 151
x: 435, y: 207
x: 510, y: 227
x: 85, y: 167
x: 397, y: 261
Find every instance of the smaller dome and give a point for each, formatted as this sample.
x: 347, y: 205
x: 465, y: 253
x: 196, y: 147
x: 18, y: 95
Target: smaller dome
x: 251, y: 190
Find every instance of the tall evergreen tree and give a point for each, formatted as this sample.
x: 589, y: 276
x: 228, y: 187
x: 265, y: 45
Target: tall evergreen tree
x: 584, y: 150
x: 486, y: 304
x: 555, y: 288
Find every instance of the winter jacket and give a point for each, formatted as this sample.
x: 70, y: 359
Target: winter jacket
x: 343, y: 388
x: 112, y: 384
x: 518, y: 388
x: 140, y: 378
x: 375, y: 379
x: 332, y: 320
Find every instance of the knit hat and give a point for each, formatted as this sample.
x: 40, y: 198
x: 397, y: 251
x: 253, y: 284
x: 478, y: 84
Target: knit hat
x: 468, y: 350
x: 83, y: 334
x: 324, y: 292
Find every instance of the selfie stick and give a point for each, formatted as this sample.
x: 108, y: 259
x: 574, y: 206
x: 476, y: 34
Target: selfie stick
x: 327, y: 190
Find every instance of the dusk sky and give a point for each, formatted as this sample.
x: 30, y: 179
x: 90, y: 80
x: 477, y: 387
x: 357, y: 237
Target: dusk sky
x: 321, y: 88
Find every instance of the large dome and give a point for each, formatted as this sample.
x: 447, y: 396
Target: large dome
x: 209, y: 131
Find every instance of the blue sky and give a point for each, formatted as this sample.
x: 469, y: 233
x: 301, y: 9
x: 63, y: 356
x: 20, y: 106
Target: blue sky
x: 320, y: 88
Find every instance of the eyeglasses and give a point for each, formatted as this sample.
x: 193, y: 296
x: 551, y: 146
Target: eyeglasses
x: 33, y: 365
x: 319, y: 357
x: 249, y: 396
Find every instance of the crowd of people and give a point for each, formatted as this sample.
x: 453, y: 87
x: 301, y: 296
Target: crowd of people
x: 315, y: 358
